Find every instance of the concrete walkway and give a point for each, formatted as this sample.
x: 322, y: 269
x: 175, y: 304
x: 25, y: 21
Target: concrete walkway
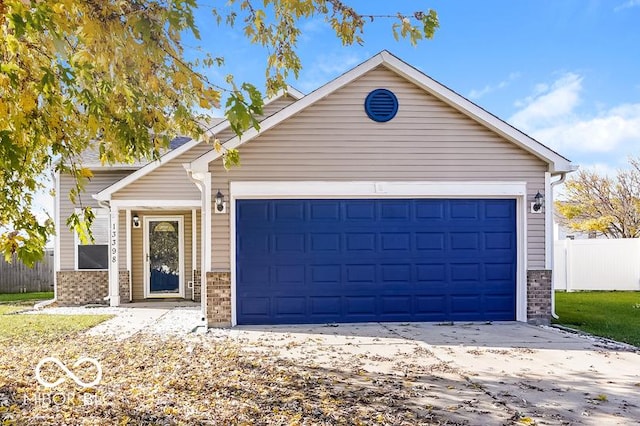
x: 177, y: 318
x: 162, y: 321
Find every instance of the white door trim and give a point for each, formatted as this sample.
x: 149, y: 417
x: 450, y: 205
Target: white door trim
x: 368, y: 189
x: 145, y: 251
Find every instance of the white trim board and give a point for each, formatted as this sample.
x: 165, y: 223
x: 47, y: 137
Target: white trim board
x: 106, y: 193
x: 56, y: 237
x: 142, y: 204
x: 556, y: 162
x: 368, y: 189
x: 316, y: 189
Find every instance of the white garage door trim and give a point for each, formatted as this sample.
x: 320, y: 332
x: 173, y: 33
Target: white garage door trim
x: 367, y: 189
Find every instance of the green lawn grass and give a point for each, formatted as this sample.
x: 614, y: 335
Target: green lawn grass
x: 611, y: 314
x: 27, y: 327
x: 14, y: 297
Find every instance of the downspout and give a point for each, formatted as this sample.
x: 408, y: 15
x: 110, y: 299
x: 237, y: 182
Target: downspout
x: 553, y: 292
x: 201, y: 186
x: 106, y: 205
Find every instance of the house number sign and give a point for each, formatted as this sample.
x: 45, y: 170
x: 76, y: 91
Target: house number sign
x: 114, y: 240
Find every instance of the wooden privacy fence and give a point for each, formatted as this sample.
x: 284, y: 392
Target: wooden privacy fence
x: 16, y: 277
x: 612, y: 264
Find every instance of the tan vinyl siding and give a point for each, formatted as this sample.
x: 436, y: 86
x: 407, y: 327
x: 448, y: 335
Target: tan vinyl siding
x: 276, y: 105
x: 170, y: 181
x: 137, y: 244
x: 100, y: 180
x: 427, y: 141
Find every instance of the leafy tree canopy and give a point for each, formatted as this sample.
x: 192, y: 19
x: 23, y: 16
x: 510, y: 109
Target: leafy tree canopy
x: 114, y: 73
x: 608, y: 206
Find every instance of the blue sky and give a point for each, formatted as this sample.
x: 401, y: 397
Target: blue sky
x: 566, y: 72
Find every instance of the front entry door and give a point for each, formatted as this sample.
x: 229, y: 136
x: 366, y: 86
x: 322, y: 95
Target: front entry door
x: 164, y: 256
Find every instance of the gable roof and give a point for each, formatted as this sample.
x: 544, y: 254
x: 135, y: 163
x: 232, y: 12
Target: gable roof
x: 557, y: 163
x: 180, y: 145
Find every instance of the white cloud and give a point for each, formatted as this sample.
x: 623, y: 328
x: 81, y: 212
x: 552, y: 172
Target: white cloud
x: 538, y: 89
x: 313, y: 26
x: 325, y: 68
x: 603, y: 169
x: 547, y: 104
x: 627, y: 5
x: 614, y: 129
x: 478, y: 93
x: 549, y: 115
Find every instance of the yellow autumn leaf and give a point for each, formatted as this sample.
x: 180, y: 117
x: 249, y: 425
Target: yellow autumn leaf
x: 27, y: 103
x: 92, y: 124
x: 86, y: 173
x: 154, y: 83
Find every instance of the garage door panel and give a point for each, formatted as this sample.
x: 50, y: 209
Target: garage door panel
x: 253, y: 212
x: 288, y: 212
x: 433, y: 241
x: 499, y: 241
x: 394, y: 274
x: 360, y: 274
x: 325, y: 274
x: 430, y: 209
x: 432, y: 272
x: 462, y: 209
x: 499, y: 305
x: 395, y: 241
x: 396, y: 305
x: 306, y: 261
x: 326, y: 305
x: 289, y: 244
x: 325, y: 211
x: 255, y: 307
x: 395, y: 211
x: 465, y: 304
x: 497, y: 210
x: 255, y: 243
x: 464, y: 272
x: 360, y: 305
x: 464, y: 241
x: 360, y: 242
x: 289, y: 274
x: 290, y: 306
x: 360, y: 210
x: 324, y: 242
x: 431, y: 306
x: 499, y: 271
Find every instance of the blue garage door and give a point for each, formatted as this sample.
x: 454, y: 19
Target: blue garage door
x: 318, y: 261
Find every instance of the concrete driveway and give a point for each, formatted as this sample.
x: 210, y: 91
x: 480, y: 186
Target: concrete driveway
x: 499, y: 373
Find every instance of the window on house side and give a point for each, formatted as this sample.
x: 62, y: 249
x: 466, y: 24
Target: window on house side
x: 95, y: 255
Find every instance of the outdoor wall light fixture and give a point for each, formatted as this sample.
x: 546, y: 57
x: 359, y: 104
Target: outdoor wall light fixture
x: 136, y: 221
x: 220, y: 203
x: 538, y: 203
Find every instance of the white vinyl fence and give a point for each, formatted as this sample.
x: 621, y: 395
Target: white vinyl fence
x: 597, y: 264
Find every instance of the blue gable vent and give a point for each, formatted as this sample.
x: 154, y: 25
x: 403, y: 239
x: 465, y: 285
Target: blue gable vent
x: 381, y: 105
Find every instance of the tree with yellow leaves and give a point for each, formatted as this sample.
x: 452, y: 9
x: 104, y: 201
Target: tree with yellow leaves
x: 114, y: 73
x: 601, y: 204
